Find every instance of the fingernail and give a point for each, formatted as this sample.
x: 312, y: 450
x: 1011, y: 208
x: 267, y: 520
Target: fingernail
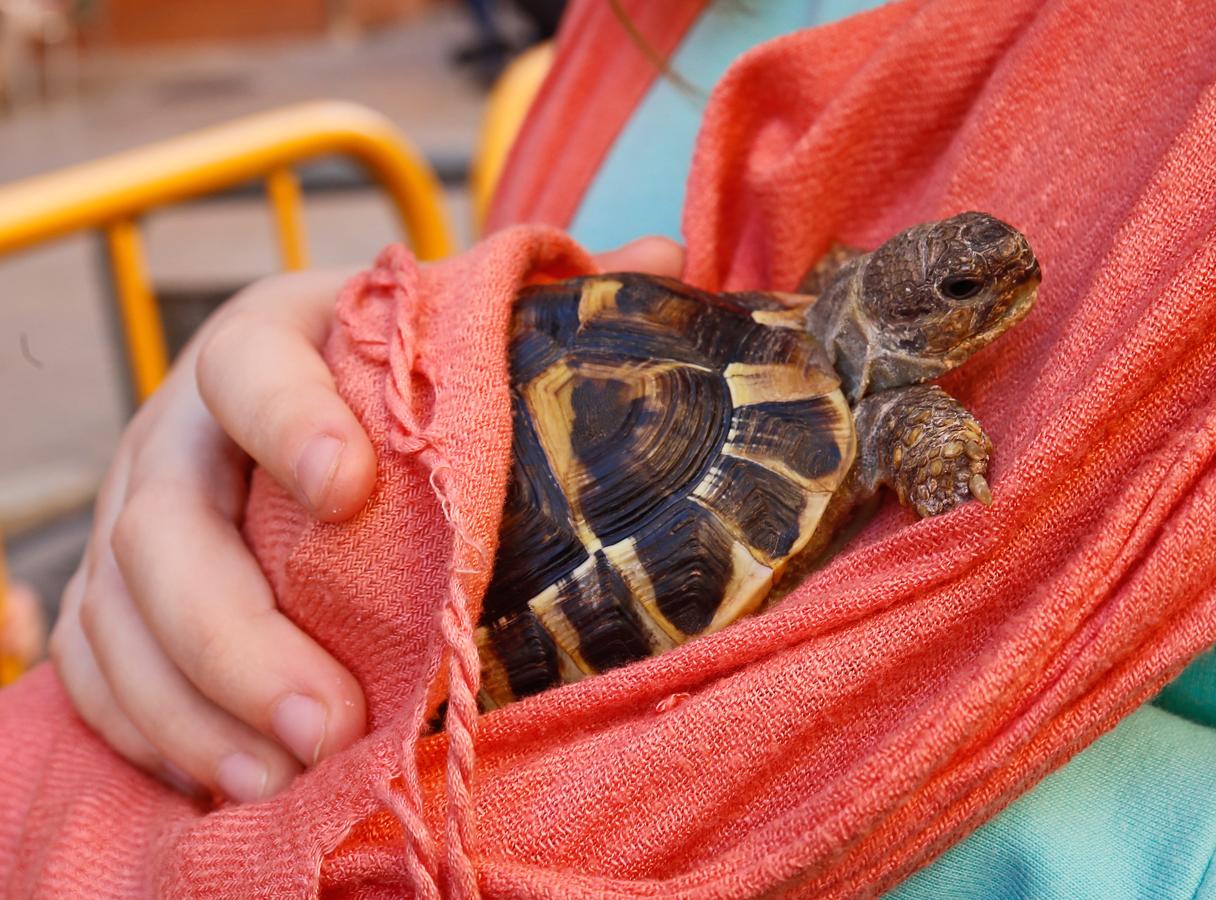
x: 242, y: 777
x: 179, y: 780
x: 316, y: 467
x: 299, y: 722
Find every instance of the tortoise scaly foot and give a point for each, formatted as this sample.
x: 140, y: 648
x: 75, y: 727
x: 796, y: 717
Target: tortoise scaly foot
x: 923, y: 443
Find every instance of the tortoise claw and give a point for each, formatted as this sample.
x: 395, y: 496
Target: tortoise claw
x: 980, y: 490
x: 928, y: 447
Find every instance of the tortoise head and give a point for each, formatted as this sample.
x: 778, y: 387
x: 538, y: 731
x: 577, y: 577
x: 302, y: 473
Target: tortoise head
x: 928, y: 298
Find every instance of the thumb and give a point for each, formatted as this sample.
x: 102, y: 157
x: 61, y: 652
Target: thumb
x: 654, y: 255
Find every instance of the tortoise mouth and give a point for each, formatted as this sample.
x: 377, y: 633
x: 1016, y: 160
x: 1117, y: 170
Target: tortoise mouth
x: 1023, y: 300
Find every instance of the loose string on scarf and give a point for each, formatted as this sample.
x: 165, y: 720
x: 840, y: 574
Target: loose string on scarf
x: 398, y: 276
x: 389, y: 299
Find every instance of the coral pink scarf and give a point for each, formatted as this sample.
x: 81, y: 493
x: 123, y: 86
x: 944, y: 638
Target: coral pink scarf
x: 900, y: 696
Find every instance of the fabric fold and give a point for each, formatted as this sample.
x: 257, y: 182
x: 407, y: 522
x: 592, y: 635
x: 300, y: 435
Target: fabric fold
x: 897, y: 698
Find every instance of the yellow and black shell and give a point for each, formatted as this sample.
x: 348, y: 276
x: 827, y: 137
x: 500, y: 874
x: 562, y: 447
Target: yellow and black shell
x: 673, y: 449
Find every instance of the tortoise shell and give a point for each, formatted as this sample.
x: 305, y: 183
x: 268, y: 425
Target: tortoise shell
x: 673, y: 449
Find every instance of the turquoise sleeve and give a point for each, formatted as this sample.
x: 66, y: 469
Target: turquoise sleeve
x: 1132, y: 816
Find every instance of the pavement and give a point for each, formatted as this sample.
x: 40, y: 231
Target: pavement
x: 63, y: 397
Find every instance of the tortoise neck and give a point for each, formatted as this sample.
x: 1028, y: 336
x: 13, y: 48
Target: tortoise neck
x: 854, y: 341
x: 840, y: 323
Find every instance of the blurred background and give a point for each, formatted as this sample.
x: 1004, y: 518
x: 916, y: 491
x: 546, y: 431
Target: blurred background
x: 83, y: 79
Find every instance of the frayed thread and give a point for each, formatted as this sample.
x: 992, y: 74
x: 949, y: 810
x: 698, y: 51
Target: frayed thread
x: 421, y: 861
x: 464, y: 673
x: 411, y: 436
x: 667, y: 704
x: 464, y: 681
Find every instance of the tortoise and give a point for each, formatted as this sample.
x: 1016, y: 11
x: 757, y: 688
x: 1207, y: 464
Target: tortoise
x: 676, y: 451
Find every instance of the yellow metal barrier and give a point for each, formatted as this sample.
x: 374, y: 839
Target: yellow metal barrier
x: 111, y: 193
x: 142, y: 327
x: 283, y: 189
x: 10, y: 666
x: 93, y: 194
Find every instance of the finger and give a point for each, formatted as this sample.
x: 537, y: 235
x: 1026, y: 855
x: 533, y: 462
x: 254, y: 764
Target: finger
x: 69, y: 648
x: 223, y: 630
x: 187, y: 729
x: 262, y: 376
x: 73, y: 657
x: 86, y: 686
x: 76, y: 664
x: 656, y: 255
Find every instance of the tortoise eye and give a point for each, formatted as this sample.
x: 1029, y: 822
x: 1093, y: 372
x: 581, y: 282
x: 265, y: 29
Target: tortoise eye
x: 961, y: 287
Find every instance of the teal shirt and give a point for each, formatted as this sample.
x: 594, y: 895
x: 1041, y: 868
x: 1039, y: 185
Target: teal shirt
x: 1132, y: 816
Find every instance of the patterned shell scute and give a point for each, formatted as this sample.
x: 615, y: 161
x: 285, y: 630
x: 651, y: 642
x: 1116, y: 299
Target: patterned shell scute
x: 673, y: 449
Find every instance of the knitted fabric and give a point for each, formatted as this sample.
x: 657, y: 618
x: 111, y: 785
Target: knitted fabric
x: 899, y: 696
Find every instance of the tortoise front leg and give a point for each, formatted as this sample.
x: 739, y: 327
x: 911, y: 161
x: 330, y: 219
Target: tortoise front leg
x: 923, y: 443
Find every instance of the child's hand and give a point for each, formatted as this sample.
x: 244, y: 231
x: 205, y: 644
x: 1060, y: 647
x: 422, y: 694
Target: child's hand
x: 169, y: 641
